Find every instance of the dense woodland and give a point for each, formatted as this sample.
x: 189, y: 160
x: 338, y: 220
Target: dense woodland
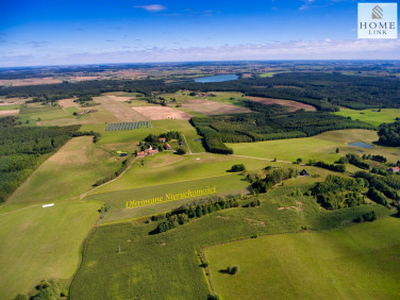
x: 326, y: 91
x: 389, y: 134
x: 23, y: 149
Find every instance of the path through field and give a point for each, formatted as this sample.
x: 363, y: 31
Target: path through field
x: 121, y: 111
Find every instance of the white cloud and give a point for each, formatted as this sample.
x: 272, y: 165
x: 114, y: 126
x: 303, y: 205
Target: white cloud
x: 152, y: 7
x: 306, y: 4
x: 293, y: 50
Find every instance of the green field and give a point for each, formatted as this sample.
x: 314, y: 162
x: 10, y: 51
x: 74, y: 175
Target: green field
x: 122, y: 260
x: 371, y: 116
x: 268, y: 74
x: 42, y: 243
x: 220, y: 97
x: 116, y: 201
x: 165, y: 168
x: 68, y: 173
x: 46, y: 112
x: 9, y: 107
x: 319, y: 147
x: 359, y: 262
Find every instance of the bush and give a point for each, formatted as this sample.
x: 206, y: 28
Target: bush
x: 238, y: 168
x: 234, y: 270
x: 181, y: 151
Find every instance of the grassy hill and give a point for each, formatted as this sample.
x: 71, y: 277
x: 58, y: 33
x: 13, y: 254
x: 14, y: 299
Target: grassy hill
x: 358, y: 262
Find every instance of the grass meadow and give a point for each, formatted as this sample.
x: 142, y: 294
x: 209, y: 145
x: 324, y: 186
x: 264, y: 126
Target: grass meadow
x: 68, y: 173
x: 358, y: 262
x: 116, y: 201
x: 371, y: 116
x: 166, y: 168
x: 42, y: 243
x: 123, y: 260
x: 319, y: 147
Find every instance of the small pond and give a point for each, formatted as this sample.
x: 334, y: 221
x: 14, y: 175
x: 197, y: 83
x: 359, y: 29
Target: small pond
x: 361, y: 145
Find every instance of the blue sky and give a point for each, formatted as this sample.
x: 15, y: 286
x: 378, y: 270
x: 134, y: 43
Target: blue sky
x: 44, y: 32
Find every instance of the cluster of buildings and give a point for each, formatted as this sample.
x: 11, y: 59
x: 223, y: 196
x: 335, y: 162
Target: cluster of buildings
x: 151, y: 151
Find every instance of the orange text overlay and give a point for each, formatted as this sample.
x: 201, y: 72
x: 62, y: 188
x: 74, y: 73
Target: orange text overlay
x: 171, y: 197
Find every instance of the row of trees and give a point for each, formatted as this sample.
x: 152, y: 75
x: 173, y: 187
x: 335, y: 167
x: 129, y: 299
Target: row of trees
x: 387, y: 185
x: 182, y: 216
x: 333, y: 167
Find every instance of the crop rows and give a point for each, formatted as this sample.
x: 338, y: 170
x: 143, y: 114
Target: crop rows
x: 127, y: 126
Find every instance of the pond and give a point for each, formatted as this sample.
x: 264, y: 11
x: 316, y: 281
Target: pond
x: 361, y: 145
x: 217, y: 78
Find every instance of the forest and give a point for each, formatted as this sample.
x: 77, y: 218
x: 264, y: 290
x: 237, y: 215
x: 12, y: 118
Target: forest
x: 23, y: 149
x: 389, y: 134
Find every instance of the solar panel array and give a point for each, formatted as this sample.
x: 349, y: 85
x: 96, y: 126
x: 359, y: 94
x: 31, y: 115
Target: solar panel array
x: 127, y: 126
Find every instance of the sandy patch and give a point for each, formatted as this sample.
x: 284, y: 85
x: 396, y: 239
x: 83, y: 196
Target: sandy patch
x: 213, y: 108
x: 161, y: 113
x: 289, y: 103
x: 66, y: 103
x: 298, y: 207
x: 119, y: 110
x: 84, y: 78
x: 118, y: 98
x: 29, y: 81
x: 256, y: 222
x: 13, y: 112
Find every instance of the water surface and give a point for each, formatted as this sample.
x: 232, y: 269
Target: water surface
x: 217, y: 78
x: 361, y: 145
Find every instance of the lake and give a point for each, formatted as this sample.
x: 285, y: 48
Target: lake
x: 361, y: 145
x: 217, y: 78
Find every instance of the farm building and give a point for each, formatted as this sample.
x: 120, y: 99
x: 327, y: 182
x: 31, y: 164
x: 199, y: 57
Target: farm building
x: 151, y: 152
x: 140, y: 154
x: 168, y: 146
x: 394, y: 170
x: 162, y: 140
x: 304, y: 173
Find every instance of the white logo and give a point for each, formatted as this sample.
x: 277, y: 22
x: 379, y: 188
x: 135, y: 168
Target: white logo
x: 377, y: 21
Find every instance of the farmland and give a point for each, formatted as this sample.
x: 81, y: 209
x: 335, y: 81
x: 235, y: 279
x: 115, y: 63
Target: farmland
x: 166, y: 264
x: 156, y: 170
x: 127, y: 126
x: 371, y: 116
x: 42, y: 243
x: 358, y: 262
x: 320, y: 147
x: 116, y: 200
x: 72, y: 170
x: 286, y: 243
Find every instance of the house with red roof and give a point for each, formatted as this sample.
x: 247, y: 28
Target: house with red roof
x: 394, y: 170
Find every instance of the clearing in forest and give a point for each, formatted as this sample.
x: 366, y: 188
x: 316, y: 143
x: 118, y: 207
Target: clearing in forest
x: 161, y: 113
x: 294, y: 105
x: 213, y: 108
x: 123, y: 113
